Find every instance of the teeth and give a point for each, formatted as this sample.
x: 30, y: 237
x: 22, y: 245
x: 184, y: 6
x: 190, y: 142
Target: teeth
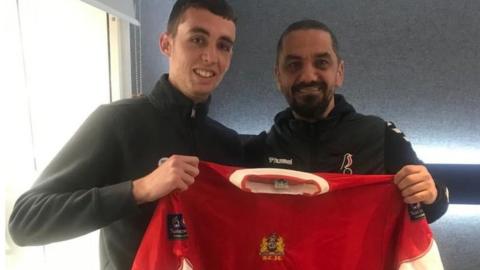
x: 203, y: 73
x: 309, y: 89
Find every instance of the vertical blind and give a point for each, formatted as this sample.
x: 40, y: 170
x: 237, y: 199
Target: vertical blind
x: 124, y: 9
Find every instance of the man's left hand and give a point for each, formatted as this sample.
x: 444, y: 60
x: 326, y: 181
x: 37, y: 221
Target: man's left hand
x: 416, y: 184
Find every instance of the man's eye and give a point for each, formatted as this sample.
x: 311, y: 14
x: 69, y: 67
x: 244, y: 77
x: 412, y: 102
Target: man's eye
x: 322, y: 63
x: 225, y: 47
x: 197, y: 40
x: 293, y: 66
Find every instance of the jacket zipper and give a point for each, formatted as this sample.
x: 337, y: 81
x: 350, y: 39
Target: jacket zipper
x: 193, y: 115
x: 313, y: 151
x: 312, y: 156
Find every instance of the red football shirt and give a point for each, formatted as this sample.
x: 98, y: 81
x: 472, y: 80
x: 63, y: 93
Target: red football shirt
x: 233, y: 218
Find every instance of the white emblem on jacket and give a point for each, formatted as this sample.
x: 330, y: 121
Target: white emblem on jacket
x: 274, y: 160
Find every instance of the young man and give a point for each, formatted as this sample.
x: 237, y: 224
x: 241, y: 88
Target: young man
x: 109, y: 175
x: 322, y: 132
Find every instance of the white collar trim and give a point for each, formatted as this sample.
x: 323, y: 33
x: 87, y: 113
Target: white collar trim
x: 279, y: 181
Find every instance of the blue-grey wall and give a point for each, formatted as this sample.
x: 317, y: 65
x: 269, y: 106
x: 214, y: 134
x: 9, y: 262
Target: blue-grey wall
x: 413, y: 62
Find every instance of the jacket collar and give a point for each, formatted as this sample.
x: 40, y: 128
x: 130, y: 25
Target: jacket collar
x: 166, y: 97
x: 287, y: 125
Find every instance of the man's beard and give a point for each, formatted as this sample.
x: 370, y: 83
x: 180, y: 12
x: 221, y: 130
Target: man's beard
x: 312, y: 103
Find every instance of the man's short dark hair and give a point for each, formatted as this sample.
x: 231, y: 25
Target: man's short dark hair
x: 308, y: 24
x: 217, y: 7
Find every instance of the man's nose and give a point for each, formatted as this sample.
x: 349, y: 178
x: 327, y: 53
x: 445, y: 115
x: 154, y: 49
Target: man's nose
x: 209, y: 55
x: 309, y: 74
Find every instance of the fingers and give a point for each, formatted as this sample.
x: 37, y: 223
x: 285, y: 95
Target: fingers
x: 182, y: 171
x: 188, y: 164
x: 191, y: 170
x: 192, y: 160
x: 405, y: 171
x: 417, y: 197
x: 186, y: 178
x: 174, y: 173
x: 416, y: 184
x: 181, y: 185
x: 410, y: 180
x: 414, y: 190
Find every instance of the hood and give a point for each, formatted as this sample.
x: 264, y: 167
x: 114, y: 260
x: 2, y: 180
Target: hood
x: 290, y: 128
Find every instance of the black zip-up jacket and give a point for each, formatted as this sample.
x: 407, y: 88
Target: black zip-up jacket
x: 344, y: 142
x: 88, y: 185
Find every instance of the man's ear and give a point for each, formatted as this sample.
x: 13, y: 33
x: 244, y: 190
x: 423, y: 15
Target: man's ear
x: 276, y: 72
x: 165, y: 44
x: 340, y: 74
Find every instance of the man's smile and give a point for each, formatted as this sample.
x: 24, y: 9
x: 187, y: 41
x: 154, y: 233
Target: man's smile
x: 204, y: 73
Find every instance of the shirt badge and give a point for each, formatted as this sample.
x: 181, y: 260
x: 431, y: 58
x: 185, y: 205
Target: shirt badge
x: 176, y: 227
x: 272, y: 248
x: 415, y: 211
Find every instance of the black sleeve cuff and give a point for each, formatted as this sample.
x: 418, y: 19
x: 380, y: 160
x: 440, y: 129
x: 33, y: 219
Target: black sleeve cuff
x: 439, y: 207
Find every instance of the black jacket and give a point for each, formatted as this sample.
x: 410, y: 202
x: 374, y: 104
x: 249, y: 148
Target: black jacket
x: 88, y: 185
x: 344, y: 142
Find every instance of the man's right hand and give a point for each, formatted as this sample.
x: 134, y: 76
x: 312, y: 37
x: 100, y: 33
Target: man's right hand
x: 176, y: 173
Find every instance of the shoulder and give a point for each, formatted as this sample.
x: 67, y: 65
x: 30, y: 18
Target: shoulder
x: 218, y: 127
x: 130, y: 104
x: 363, y: 124
x: 221, y: 136
x: 364, y: 119
x: 398, y: 150
x: 254, y: 141
x: 221, y: 144
x: 128, y: 110
x: 254, y: 147
x: 394, y: 137
x: 368, y: 122
x: 125, y: 120
x: 393, y: 130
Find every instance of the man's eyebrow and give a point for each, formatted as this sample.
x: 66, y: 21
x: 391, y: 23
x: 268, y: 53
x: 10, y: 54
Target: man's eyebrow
x: 323, y: 55
x: 292, y: 57
x: 205, y: 32
x: 199, y: 30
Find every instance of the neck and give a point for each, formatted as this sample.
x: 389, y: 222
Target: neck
x: 195, y: 99
x: 316, y: 118
x: 306, y: 119
x: 191, y: 96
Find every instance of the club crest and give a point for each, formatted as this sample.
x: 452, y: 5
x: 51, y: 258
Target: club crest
x: 176, y: 227
x: 272, y: 248
x: 346, y: 164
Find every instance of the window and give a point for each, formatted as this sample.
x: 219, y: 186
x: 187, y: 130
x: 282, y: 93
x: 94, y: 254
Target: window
x: 59, y: 64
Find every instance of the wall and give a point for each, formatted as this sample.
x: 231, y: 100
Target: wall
x: 413, y: 62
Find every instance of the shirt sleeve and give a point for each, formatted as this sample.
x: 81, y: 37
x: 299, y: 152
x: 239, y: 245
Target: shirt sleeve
x: 399, y: 153
x: 79, y: 191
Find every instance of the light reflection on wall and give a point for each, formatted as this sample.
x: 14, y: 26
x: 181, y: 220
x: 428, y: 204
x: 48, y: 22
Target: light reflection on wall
x: 448, y: 155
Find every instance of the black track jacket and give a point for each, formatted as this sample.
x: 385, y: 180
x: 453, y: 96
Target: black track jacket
x: 88, y: 185
x: 344, y: 142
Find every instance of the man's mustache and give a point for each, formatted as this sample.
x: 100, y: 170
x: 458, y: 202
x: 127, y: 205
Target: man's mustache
x: 321, y: 85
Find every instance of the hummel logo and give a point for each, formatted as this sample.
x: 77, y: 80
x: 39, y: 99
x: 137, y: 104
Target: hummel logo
x: 273, y: 160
